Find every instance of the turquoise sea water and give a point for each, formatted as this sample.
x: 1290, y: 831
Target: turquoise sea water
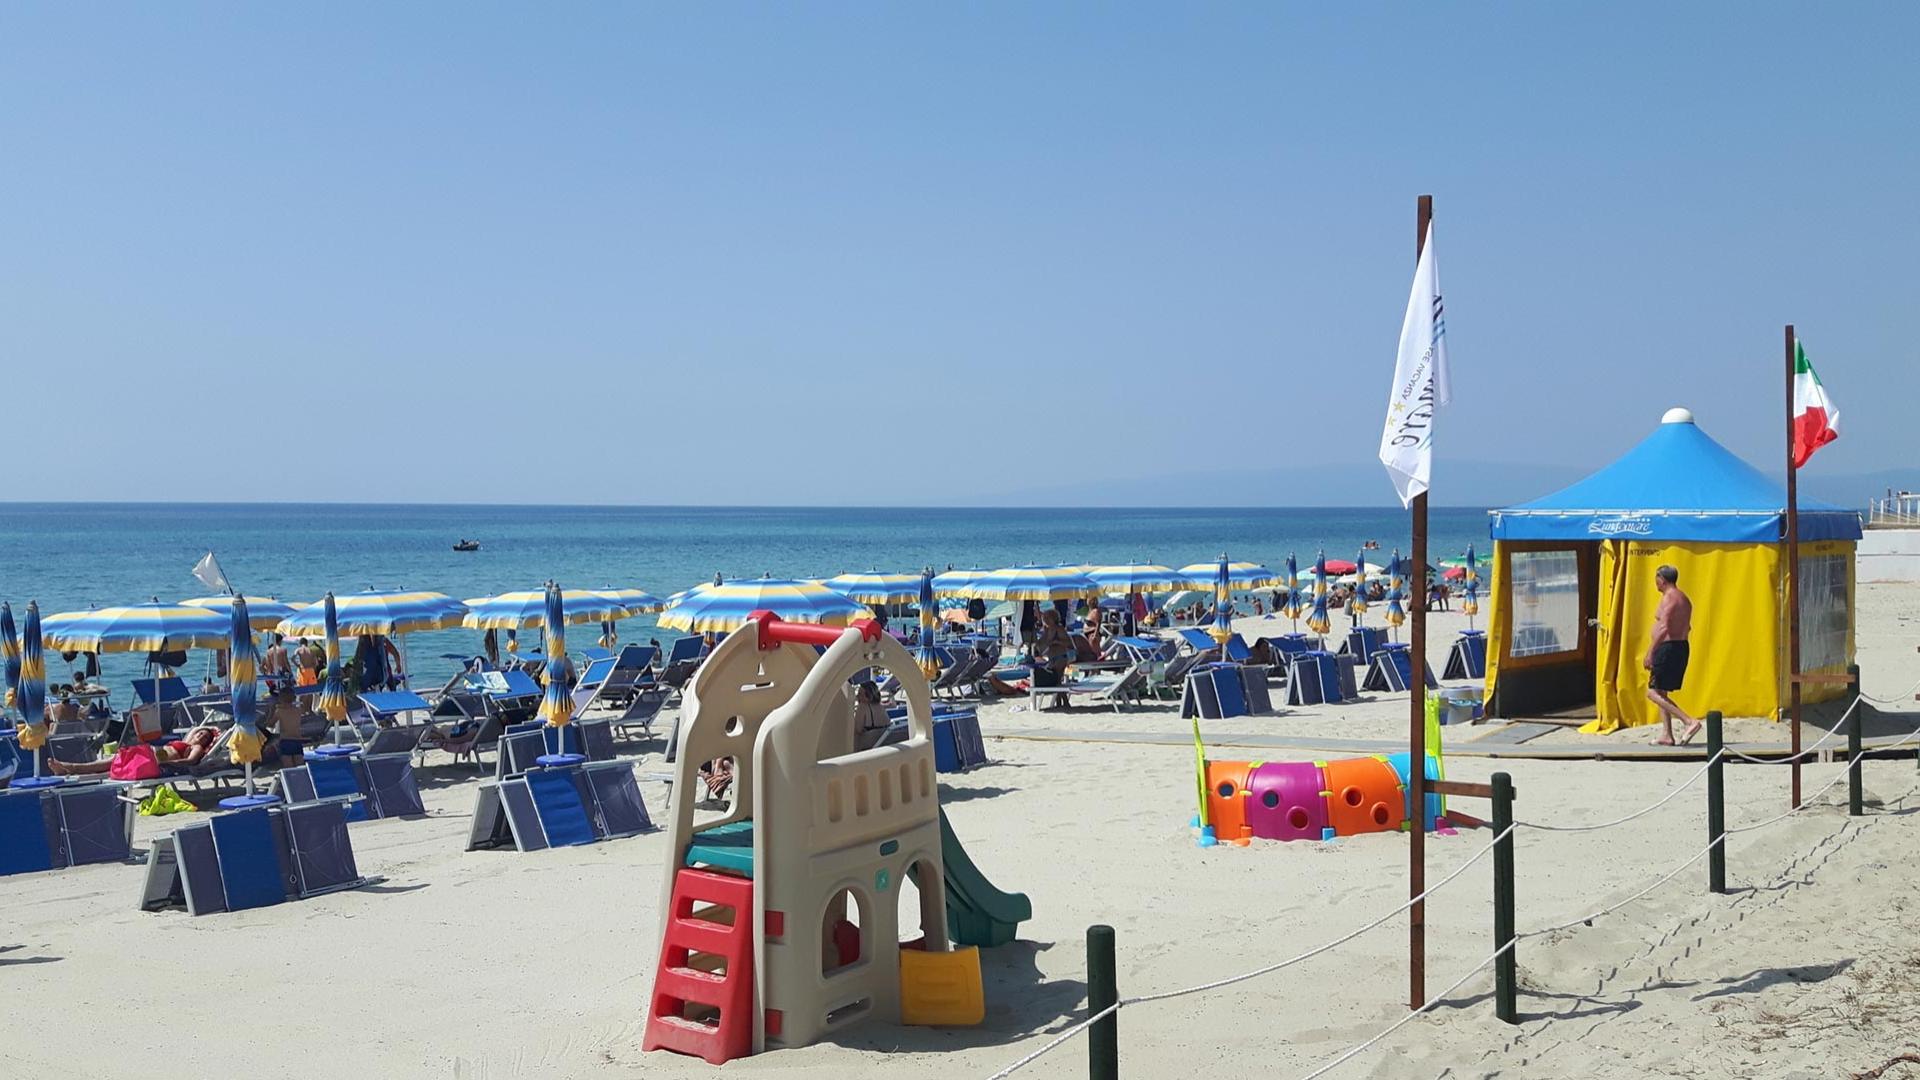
x: 70, y: 556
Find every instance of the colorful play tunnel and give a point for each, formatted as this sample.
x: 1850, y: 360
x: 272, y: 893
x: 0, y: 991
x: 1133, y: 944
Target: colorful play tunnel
x: 1313, y: 800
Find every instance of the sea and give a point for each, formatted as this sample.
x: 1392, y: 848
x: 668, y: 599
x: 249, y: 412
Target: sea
x: 71, y: 556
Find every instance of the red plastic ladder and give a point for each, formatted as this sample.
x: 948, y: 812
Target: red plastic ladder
x: 680, y: 987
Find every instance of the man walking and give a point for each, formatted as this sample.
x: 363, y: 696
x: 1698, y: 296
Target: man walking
x: 1666, y: 660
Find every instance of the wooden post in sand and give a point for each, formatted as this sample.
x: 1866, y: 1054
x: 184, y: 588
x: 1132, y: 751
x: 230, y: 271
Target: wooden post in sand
x: 1417, y: 711
x: 1793, y: 578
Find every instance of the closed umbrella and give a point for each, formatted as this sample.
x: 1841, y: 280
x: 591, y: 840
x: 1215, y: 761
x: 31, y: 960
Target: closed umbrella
x: 1470, y: 603
x: 725, y: 606
x: 33, y: 687
x: 1317, y: 620
x: 9, y: 653
x: 929, y: 623
x: 1222, y: 604
x: 246, y: 742
x: 1294, y: 603
x: 556, y: 705
x: 1358, y: 604
x: 1396, y: 591
x: 332, y: 702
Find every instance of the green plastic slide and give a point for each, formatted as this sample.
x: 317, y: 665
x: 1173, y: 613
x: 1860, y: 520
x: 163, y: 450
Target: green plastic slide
x: 977, y: 913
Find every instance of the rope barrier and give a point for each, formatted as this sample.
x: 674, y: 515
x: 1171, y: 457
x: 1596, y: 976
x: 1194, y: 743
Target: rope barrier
x: 1397, y: 1024
x: 1824, y: 788
x: 1902, y: 699
x: 1687, y: 783
x: 1804, y: 751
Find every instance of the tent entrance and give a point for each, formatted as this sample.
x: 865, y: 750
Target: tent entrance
x: 1550, y: 596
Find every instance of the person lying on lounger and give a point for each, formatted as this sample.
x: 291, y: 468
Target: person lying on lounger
x: 174, y: 757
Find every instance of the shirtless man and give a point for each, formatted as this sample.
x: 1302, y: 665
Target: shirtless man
x: 1666, y: 660
x: 274, y: 666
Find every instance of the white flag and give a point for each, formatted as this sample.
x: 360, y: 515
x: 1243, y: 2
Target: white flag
x: 1420, y: 383
x: 210, y: 575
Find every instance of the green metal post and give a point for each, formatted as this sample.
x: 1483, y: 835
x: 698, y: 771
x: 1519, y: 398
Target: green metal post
x: 1506, y: 972
x: 1103, y: 990
x: 1854, y: 795
x: 1716, y: 807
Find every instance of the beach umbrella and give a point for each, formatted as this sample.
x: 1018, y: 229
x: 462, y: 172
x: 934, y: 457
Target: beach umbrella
x: 1136, y: 578
x: 264, y: 612
x: 151, y: 627
x: 1222, y: 604
x: 246, y: 743
x: 1240, y: 575
x: 527, y: 610
x: 332, y: 702
x: 1358, y: 603
x: 379, y: 613
x: 33, y: 687
x: 874, y: 587
x: 1470, y: 603
x: 958, y: 582
x: 929, y: 623
x: 724, y: 606
x: 1396, y: 591
x: 1317, y: 620
x: 636, y: 601
x: 1294, y: 603
x: 1035, y: 583
x: 556, y: 705
x: 1337, y: 567
x: 9, y: 653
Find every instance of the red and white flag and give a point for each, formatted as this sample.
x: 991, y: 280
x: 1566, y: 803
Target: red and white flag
x: 1816, y: 420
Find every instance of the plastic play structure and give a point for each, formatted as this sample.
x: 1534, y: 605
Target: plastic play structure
x: 1310, y: 800
x: 780, y: 920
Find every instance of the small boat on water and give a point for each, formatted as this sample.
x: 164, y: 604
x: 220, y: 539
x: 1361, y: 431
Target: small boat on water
x: 467, y: 545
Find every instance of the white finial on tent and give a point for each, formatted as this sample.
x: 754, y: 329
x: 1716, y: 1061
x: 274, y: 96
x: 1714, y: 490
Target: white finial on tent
x: 1677, y: 415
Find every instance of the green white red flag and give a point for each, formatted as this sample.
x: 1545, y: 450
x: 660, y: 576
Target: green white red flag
x: 1816, y: 420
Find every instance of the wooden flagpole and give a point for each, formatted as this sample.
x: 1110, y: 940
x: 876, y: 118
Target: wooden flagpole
x: 1417, y: 711
x: 1793, y: 577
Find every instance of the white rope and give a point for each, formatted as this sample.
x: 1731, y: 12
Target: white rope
x: 1904, y: 697
x: 1257, y: 972
x: 1636, y: 814
x: 1804, y: 751
x: 1397, y: 1024
x: 1610, y: 909
x: 1844, y: 772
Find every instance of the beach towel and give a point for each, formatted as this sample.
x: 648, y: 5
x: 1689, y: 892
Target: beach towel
x: 134, y: 763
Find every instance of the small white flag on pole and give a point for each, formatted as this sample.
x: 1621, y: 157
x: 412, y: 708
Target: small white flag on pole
x: 209, y: 572
x: 1420, y: 383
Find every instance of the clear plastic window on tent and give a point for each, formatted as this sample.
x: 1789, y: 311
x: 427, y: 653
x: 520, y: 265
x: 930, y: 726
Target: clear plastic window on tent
x: 1823, y: 612
x: 1546, y: 602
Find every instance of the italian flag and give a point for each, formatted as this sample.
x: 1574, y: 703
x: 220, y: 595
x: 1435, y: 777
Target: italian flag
x: 1816, y: 420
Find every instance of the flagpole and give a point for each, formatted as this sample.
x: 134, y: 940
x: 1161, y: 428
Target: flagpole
x: 1417, y: 711
x: 1793, y: 576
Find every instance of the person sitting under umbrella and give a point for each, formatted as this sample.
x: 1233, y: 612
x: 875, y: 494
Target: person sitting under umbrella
x: 1052, y: 651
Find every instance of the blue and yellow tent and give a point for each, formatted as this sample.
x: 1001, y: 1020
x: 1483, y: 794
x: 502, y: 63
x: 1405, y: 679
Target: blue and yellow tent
x: 1572, y: 596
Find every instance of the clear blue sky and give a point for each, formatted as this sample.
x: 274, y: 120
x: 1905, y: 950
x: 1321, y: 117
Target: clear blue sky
x: 688, y: 238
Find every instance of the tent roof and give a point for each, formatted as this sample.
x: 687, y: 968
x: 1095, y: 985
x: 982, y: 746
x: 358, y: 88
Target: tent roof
x: 1677, y: 484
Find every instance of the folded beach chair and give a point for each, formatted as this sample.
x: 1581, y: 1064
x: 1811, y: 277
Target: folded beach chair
x: 252, y: 858
x: 380, y: 785
x: 545, y: 808
x: 73, y: 824
x: 1125, y: 688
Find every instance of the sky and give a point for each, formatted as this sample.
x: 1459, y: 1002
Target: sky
x: 929, y: 254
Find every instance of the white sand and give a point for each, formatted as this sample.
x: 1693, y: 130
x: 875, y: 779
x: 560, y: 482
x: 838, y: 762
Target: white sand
x: 496, y: 964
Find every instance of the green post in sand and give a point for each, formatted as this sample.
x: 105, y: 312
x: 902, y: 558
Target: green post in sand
x: 1506, y: 970
x: 1103, y: 991
x: 1716, y: 807
x: 1855, y: 797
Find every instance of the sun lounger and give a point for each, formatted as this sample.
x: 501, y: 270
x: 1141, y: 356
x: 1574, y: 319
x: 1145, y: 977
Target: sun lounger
x: 559, y: 808
x: 640, y: 712
x: 682, y: 661
x: 1390, y: 669
x: 252, y: 857
x: 69, y: 824
x: 1126, y: 688
x: 382, y: 785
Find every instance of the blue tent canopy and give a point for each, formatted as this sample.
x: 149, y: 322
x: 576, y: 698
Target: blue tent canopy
x: 1677, y: 484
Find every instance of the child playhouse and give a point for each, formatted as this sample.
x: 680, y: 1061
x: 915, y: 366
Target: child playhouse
x: 780, y: 915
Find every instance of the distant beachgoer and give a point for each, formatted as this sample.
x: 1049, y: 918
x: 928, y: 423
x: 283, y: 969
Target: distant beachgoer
x: 1259, y: 608
x: 174, y: 757
x: 1052, y: 651
x: 308, y: 661
x: 1666, y: 659
x: 65, y: 714
x: 490, y: 647
x: 273, y: 665
x: 1029, y: 621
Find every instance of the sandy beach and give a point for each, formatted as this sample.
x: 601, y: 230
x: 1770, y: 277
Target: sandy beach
x: 497, y: 964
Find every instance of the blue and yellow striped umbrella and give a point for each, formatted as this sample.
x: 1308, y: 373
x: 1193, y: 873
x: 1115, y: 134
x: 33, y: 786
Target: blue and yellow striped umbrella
x: 528, y: 610
x: 556, y: 705
x: 9, y: 654
x: 332, y: 702
x: 1358, y: 603
x: 264, y: 612
x: 875, y: 587
x: 929, y: 626
x: 378, y: 613
x: 246, y: 740
x: 724, y: 607
x: 1396, y: 591
x: 1222, y: 602
x: 1035, y: 583
x: 1470, y: 603
x: 1136, y: 578
x: 151, y: 627
x: 1317, y: 620
x: 636, y: 601
x: 958, y: 582
x: 1294, y: 603
x: 33, y: 685
x: 1240, y: 575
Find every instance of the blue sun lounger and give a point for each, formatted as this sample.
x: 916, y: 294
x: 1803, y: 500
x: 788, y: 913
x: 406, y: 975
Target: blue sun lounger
x: 261, y: 853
